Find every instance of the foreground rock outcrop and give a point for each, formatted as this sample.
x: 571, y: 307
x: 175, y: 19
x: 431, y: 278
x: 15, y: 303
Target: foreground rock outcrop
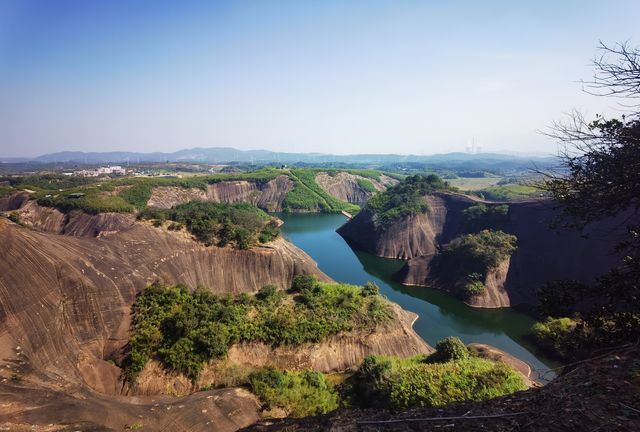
x: 543, y: 254
x: 67, y: 284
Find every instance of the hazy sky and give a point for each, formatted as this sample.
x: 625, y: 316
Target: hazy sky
x: 337, y: 77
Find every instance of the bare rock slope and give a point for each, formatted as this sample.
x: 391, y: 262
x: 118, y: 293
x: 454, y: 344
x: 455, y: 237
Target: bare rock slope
x: 347, y: 187
x: 65, y: 310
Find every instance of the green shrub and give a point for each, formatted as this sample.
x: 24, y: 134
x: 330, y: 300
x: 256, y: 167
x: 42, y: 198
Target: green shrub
x: 185, y: 329
x: 395, y: 383
x: 299, y: 394
x: 449, y: 349
x: 557, y: 335
x: 370, y: 288
x: 403, y: 199
x: 474, y: 285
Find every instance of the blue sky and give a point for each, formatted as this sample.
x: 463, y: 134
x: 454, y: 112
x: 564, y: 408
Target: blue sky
x: 340, y: 77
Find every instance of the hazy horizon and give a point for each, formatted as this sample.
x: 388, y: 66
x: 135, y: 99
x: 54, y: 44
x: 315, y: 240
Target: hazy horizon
x: 329, y: 77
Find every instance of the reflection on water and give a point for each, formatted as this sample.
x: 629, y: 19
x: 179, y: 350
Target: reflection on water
x: 441, y: 315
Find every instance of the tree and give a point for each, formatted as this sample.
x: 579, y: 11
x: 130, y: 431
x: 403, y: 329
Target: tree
x: 599, y: 177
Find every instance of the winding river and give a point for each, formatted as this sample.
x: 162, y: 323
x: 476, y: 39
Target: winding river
x: 440, y: 314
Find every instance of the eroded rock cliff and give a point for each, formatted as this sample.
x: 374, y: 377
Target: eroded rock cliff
x: 65, y: 311
x: 65, y: 300
x: 543, y: 254
x: 268, y: 196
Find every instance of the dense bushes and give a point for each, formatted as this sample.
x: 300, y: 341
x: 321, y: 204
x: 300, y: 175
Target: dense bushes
x: 214, y: 223
x: 557, y: 335
x: 389, y: 382
x: 480, y: 216
x: 405, y: 198
x: 185, y: 329
x: 481, y: 251
x: 299, y: 394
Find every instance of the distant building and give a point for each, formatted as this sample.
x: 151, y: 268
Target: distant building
x: 110, y: 170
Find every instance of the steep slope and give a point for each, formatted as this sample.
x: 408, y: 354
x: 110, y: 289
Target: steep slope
x: 268, y: 196
x: 13, y: 201
x: 412, y: 236
x: 65, y: 310
x: 543, y: 254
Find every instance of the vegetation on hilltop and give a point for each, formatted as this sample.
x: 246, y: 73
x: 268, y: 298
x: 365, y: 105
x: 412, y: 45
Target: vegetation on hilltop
x: 481, y: 216
x: 243, y: 225
x: 466, y: 260
x: 184, y: 329
x: 404, y: 199
x: 126, y: 195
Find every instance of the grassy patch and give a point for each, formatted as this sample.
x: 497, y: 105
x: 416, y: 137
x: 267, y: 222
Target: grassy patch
x: 512, y: 192
x: 389, y: 382
x: 307, y: 195
x: 299, y: 394
x: 185, y: 329
x: 366, y: 185
x: 473, y: 184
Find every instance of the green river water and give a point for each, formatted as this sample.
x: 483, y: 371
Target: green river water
x: 440, y: 314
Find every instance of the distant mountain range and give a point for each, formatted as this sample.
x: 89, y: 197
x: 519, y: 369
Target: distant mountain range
x: 227, y: 155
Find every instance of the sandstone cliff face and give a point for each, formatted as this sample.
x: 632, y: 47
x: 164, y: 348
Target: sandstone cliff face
x: 14, y: 201
x: 76, y: 223
x: 495, y: 294
x: 65, y: 301
x: 344, y: 186
x: 416, y: 235
x: 268, y: 196
x: 65, y: 310
x: 543, y: 254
